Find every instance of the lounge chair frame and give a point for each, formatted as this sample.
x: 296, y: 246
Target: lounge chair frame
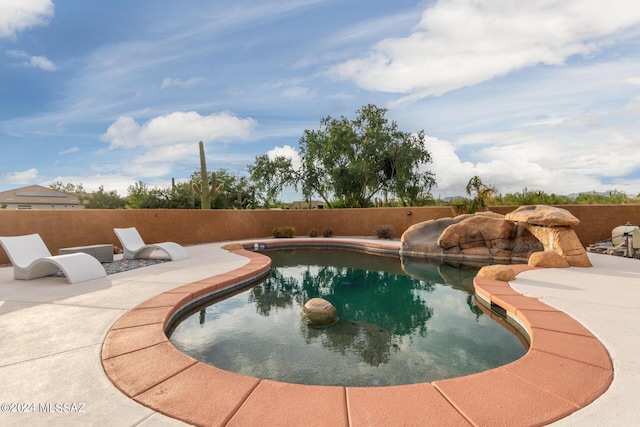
x: 134, y: 247
x: 31, y: 259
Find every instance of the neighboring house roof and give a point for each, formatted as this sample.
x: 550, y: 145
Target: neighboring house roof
x: 302, y: 204
x: 38, y: 196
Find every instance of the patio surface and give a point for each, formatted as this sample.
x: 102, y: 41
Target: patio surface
x: 55, y: 336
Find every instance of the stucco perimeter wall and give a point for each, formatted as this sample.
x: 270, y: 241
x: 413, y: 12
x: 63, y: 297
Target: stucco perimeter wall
x: 65, y: 228
x: 61, y: 229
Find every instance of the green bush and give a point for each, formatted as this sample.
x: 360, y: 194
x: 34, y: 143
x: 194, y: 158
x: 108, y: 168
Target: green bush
x: 384, y: 232
x: 313, y: 232
x: 284, y: 232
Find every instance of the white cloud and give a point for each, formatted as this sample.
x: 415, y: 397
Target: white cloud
x: 21, y: 177
x: 587, y: 119
x: 164, y: 142
x: 597, y: 158
x: 451, y: 173
x: 159, y: 161
x: 588, y: 150
x: 19, y: 15
x: 169, y: 82
x: 43, y: 63
x: 293, y: 89
x: 176, y: 128
x: 69, y: 151
x: 298, y: 92
x: 373, y: 29
x: 288, y: 152
x: 119, y: 183
x: 495, y: 138
x: 632, y: 109
x: 460, y: 43
x: 28, y: 61
x: 633, y: 81
x: 509, y: 173
x: 342, y: 96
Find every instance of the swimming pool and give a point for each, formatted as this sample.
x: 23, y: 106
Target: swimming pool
x: 394, y: 327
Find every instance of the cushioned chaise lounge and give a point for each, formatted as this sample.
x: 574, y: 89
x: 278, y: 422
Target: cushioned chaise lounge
x: 31, y: 259
x: 134, y: 247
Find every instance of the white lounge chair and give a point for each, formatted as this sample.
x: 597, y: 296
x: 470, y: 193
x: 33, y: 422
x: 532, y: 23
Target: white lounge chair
x: 31, y: 259
x: 635, y: 243
x: 134, y: 247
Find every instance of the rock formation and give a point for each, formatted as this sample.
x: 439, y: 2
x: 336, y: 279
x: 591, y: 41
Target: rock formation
x: 547, y: 259
x: 484, y: 236
x: 552, y: 227
x: 422, y: 238
x: 491, y: 236
x: 497, y: 272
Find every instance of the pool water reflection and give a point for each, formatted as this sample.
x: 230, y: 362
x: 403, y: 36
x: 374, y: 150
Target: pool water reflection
x: 400, y: 323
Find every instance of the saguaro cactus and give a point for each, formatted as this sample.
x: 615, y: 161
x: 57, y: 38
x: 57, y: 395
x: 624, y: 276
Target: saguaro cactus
x: 241, y: 201
x: 203, y: 188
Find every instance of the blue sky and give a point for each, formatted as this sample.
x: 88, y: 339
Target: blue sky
x: 542, y: 94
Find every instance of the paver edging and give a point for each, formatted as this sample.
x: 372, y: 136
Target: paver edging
x: 455, y: 392
x: 553, y: 363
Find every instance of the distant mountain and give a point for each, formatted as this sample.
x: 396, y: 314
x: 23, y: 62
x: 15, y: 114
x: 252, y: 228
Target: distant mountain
x: 600, y: 193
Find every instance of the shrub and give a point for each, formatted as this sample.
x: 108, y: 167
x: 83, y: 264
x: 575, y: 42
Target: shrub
x: 284, y: 232
x: 384, y: 232
x: 460, y: 207
x: 313, y: 232
x: 327, y: 232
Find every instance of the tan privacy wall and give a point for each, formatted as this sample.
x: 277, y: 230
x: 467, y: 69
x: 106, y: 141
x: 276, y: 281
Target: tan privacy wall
x: 60, y: 228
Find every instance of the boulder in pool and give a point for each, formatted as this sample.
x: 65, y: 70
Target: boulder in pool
x: 319, y: 312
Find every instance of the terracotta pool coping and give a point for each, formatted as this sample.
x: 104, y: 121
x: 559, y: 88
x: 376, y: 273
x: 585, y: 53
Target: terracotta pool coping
x: 564, y: 370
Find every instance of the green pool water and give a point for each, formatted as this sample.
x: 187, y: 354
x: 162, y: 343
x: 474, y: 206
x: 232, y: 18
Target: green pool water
x: 401, y: 322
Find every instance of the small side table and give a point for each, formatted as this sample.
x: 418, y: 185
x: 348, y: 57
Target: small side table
x: 103, y: 253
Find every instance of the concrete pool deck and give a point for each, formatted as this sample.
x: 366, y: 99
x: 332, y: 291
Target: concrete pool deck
x: 58, y: 339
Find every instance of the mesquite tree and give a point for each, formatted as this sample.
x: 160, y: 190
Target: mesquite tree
x: 353, y: 160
